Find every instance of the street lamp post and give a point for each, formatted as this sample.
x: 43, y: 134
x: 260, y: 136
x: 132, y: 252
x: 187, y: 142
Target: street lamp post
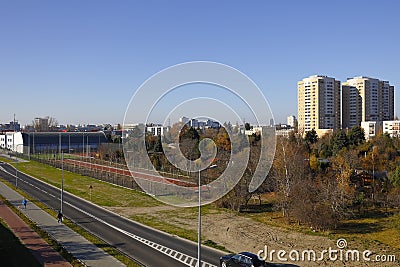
x: 373, y: 173
x: 16, y: 172
x: 16, y: 163
x: 199, y: 227
x: 62, y: 182
x: 199, y: 219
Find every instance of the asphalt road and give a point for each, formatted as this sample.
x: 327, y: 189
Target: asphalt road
x: 146, y: 245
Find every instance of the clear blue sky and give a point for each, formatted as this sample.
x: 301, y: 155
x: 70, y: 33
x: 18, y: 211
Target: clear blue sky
x: 81, y: 61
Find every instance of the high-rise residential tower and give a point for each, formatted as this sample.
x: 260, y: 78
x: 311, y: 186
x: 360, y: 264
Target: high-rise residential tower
x: 318, y: 104
x: 366, y: 99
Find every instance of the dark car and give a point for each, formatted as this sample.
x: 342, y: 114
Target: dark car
x: 242, y: 259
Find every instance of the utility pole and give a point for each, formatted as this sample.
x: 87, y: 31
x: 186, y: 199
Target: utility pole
x: 62, y: 182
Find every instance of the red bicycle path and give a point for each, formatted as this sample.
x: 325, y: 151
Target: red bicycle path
x: 40, y: 249
x: 128, y: 173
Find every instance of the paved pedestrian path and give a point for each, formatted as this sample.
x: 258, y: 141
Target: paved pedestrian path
x: 74, y: 243
x: 42, y: 251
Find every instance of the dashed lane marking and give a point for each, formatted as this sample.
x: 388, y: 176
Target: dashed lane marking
x: 181, y: 257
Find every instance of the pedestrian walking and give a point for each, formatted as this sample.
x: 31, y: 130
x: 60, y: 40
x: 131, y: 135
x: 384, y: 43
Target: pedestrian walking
x: 24, y: 202
x: 60, y: 217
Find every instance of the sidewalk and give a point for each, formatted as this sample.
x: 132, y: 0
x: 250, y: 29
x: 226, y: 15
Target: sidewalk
x: 42, y: 251
x: 82, y: 249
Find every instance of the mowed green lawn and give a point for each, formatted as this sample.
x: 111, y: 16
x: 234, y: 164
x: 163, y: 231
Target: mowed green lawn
x: 103, y: 194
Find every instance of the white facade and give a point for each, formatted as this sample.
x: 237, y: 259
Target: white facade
x: 156, y: 130
x: 254, y: 130
x: 184, y: 120
x: 371, y: 128
x: 291, y: 121
x: 12, y: 141
x: 284, y: 132
x: 392, y: 128
x: 131, y: 126
x: 2, y: 141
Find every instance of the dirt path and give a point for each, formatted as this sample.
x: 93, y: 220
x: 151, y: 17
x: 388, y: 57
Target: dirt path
x: 42, y: 251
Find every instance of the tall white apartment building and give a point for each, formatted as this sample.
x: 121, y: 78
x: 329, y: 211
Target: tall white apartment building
x: 318, y: 104
x: 366, y: 99
x: 387, y: 101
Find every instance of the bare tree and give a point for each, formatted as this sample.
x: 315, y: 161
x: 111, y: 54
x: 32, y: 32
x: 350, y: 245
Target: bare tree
x: 290, y: 167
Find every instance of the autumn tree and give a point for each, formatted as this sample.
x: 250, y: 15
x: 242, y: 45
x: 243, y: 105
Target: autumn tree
x: 395, y: 177
x: 339, y: 141
x: 223, y: 140
x: 311, y: 137
x: 356, y: 136
x: 238, y: 198
x: 289, y: 167
x: 343, y: 167
x: 189, y: 140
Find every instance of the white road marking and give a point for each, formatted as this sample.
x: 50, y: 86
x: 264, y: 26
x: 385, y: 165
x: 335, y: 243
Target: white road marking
x: 181, y: 257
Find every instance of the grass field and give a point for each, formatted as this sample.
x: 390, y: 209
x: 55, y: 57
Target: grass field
x: 378, y: 226
x: 103, y: 194
x: 375, y: 229
x: 48, y: 174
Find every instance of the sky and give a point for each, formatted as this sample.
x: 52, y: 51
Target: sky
x: 82, y: 61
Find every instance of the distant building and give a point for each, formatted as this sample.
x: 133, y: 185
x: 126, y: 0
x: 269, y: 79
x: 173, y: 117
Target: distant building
x: 129, y: 127
x: 392, y: 128
x: 253, y: 130
x: 366, y: 99
x: 11, y: 126
x: 2, y: 141
x: 41, y: 124
x: 371, y: 128
x: 52, y: 142
x: 212, y: 124
x: 194, y: 123
x: 197, y: 124
x: 184, y: 120
x: 318, y: 104
x: 11, y: 141
x: 285, y: 132
x: 93, y: 128
x: 292, y: 121
x: 156, y: 129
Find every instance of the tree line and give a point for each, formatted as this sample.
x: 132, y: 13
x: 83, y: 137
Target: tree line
x: 321, y: 181
x: 313, y: 181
